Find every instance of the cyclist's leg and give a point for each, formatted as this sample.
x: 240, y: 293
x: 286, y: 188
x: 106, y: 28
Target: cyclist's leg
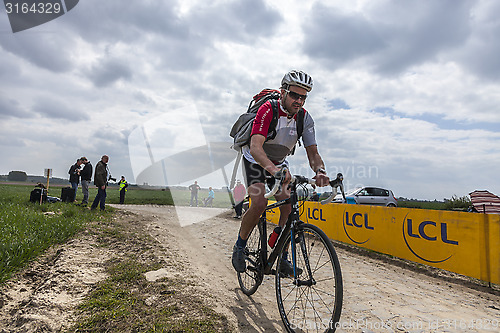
x: 284, y: 209
x: 256, y: 177
x: 257, y: 207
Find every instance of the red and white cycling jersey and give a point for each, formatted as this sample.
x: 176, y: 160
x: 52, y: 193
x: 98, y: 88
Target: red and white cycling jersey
x: 286, y: 137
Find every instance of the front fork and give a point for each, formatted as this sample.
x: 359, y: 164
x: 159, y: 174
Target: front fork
x: 297, y: 236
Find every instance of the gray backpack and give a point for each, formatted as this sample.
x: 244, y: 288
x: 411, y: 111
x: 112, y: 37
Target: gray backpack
x: 242, y: 128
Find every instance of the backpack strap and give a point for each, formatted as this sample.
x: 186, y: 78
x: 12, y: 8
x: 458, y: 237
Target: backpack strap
x: 271, y: 133
x: 300, y: 128
x: 300, y: 123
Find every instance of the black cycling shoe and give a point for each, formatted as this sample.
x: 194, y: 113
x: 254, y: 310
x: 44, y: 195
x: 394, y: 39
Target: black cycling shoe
x: 238, y: 259
x: 286, y: 268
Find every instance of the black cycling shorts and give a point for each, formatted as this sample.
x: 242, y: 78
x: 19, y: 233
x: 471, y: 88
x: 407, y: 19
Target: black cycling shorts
x: 254, y: 174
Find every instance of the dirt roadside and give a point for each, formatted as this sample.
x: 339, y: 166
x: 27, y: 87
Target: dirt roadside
x: 379, y: 296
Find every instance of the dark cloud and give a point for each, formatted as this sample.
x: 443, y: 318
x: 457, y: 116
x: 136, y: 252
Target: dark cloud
x: 109, y: 70
x: 58, y: 109
x: 174, y: 42
x: 114, y: 21
x: 48, y: 50
x: 10, y: 108
x: 244, y: 20
x: 389, y: 39
x: 338, y: 38
x: 179, y: 56
x: 423, y: 31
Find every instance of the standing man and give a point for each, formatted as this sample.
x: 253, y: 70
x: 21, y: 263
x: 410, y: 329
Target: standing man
x: 101, y: 181
x: 74, y: 177
x: 194, y: 188
x: 123, y: 188
x: 239, y: 193
x: 86, y: 176
x: 263, y: 159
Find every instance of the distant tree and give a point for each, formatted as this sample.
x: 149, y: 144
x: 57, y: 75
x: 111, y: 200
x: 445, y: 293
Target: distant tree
x: 456, y: 203
x: 17, y: 176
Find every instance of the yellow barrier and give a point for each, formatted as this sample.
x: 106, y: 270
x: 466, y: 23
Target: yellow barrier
x: 464, y: 243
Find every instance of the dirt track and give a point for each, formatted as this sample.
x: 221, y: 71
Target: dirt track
x: 378, y: 296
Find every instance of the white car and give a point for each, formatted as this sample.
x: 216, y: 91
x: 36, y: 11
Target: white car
x: 370, y: 196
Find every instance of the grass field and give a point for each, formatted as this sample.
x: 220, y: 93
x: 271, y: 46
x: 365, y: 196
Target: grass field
x: 146, y: 196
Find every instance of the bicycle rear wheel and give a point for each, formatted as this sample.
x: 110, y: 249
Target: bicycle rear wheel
x: 313, y: 302
x: 251, y: 279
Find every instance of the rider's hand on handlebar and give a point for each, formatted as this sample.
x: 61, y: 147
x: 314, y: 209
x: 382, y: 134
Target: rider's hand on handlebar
x: 322, y: 179
x: 284, y: 174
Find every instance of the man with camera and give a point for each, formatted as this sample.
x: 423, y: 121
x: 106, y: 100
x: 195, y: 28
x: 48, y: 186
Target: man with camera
x: 74, y: 177
x: 86, y: 176
x: 101, y: 178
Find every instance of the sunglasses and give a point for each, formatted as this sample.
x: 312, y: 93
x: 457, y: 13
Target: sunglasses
x: 296, y: 96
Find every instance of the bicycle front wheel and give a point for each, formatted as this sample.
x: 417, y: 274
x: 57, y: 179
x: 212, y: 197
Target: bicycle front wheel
x: 312, y: 301
x: 251, y: 279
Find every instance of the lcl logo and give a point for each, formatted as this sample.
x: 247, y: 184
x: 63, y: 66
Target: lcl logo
x: 430, y: 232
x: 356, y: 222
x: 26, y: 14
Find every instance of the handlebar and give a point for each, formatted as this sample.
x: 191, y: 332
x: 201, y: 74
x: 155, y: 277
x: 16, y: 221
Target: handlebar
x: 280, y: 178
x: 337, y: 182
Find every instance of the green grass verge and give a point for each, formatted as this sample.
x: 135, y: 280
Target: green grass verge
x: 27, y: 229
x: 127, y: 302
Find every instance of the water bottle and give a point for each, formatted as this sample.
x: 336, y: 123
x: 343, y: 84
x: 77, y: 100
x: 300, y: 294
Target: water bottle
x: 274, y: 236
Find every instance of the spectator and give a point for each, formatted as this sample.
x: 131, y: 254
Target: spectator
x: 123, y: 188
x: 74, y: 177
x: 194, y: 188
x: 101, y: 181
x: 86, y: 176
x: 239, y: 194
x: 211, y: 197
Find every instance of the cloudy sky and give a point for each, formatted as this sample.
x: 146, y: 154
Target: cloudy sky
x: 406, y: 92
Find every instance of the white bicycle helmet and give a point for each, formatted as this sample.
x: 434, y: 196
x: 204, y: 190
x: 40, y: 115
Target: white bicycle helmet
x: 297, y: 78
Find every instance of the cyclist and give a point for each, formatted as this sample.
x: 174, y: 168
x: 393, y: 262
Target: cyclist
x: 263, y: 160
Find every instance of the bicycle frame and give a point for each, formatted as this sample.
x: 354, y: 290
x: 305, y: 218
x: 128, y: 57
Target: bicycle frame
x: 293, y: 218
x: 313, y: 292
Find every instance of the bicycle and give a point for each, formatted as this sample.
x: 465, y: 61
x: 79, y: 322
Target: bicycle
x: 311, y: 299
